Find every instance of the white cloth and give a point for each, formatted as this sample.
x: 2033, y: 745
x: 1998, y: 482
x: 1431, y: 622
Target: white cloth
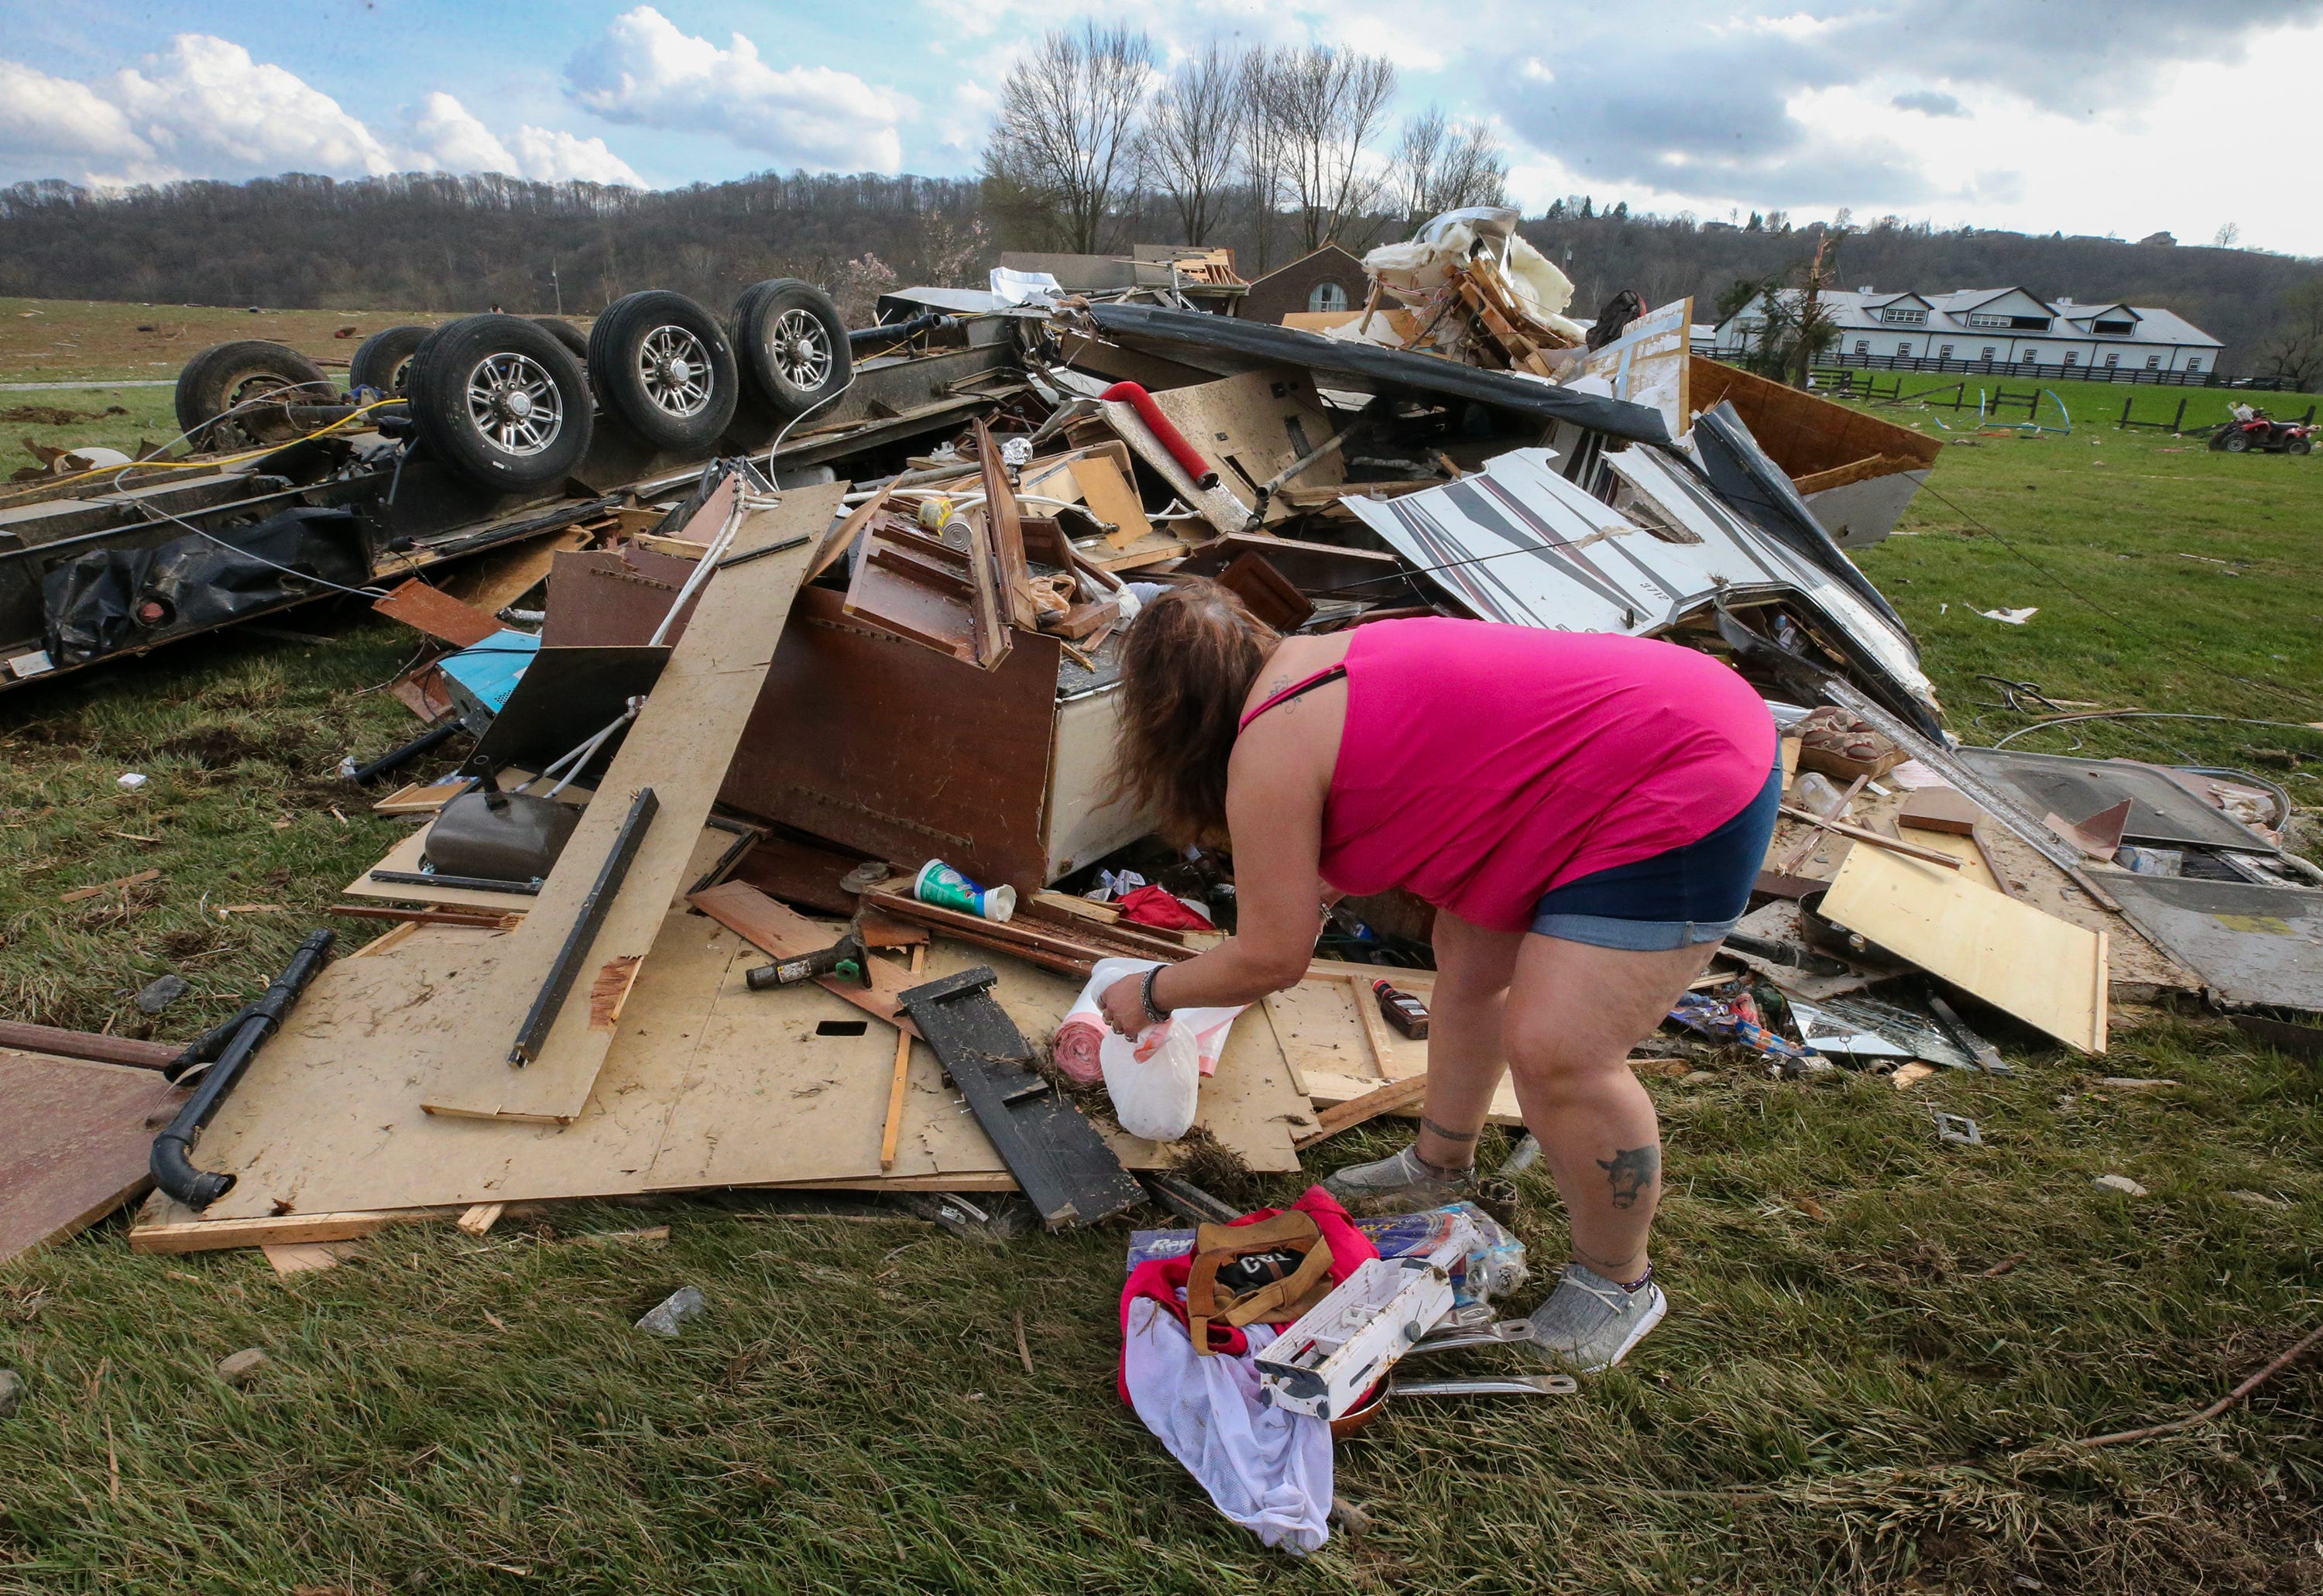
x: 1268, y: 1469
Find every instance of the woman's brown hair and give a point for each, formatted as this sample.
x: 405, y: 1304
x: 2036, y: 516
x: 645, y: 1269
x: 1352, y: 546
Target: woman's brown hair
x: 1186, y: 668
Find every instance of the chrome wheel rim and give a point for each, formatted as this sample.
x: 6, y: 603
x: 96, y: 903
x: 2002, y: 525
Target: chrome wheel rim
x: 673, y: 368
x: 801, y: 347
x: 514, y: 404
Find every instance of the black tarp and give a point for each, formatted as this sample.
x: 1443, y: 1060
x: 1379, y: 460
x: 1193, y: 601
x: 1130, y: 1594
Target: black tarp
x: 109, y: 599
x: 1253, y: 345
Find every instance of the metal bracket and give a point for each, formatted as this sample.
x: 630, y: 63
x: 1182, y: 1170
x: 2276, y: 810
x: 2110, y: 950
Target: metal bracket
x: 554, y: 991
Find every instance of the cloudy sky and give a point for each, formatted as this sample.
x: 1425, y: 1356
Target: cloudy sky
x: 2036, y: 115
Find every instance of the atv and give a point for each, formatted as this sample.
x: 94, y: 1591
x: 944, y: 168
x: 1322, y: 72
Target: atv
x: 2255, y: 429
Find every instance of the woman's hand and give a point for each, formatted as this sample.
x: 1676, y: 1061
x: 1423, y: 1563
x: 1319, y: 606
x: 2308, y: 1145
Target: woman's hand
x: 1123, y: 1003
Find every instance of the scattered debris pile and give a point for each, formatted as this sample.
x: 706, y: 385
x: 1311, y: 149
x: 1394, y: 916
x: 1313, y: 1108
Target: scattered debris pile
x: 772, y: 847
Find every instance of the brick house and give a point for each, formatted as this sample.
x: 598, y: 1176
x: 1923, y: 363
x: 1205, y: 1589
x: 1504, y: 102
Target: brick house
x: 1328, y: 279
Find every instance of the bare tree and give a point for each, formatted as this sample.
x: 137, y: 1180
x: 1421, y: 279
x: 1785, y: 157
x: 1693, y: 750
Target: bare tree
x: 1193, y: 135
x: 1261, y: 141
x: 1067, y: 138
x: 2293, y: 357
x: 1324, y: 105
x: 1446, y: 166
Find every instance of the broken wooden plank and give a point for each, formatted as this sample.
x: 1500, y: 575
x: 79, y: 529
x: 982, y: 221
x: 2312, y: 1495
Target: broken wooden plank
x: 679, y: 746
x: 1070, y: 1177
x: 87, y: 1044
x: 1391, y: 1098
x: 783, y: 932
x: 430, y: 610
x: 1106, y: 489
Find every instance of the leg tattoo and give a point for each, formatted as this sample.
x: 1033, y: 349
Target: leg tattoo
x: 1429, y: 1124
x: 1632, y: 1172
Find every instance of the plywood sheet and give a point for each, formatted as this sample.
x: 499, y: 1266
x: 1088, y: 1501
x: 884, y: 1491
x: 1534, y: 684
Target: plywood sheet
x: 2045, y: 971
x: 491, y: 582
x: 679, y: 746
x: 74, y: 1144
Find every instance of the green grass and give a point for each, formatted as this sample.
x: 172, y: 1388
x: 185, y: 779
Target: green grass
x: 2090, y: 407
x: 1843, y: 1400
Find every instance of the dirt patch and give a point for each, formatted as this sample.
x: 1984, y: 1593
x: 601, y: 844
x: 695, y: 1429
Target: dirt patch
x: 54, y: 416
x: 219, y: 748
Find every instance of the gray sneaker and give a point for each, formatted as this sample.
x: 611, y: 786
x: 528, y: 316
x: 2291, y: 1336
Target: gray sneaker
x: 1589, y: 1323
x: 1403, y: 1184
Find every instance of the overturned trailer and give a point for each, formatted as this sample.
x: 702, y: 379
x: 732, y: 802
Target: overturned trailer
x: 490, y: 431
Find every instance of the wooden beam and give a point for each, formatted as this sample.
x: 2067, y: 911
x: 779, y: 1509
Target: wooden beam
x: 87, y: 1044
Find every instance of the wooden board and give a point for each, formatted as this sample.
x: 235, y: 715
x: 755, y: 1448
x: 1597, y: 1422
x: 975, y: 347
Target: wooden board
x: 1105, y: 489
x: 1252, y: 426
x: 423, y: 608
x: 679, y: 746
x: 1801, y: 432
x: 75, y: 1144
x: 87, y: 1044
x: 2045, y: 971
x: 493, y: 580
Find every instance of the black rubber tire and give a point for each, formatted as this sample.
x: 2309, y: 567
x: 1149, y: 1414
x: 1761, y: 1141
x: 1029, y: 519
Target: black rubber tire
x: 679, y: 406
x: 383, y: 359
x: 2237, y: 443
x: 220, y: 378
x: 758, y: 321
x: 456, y: 354
x: 2299, y: 446
x: 566, y: 334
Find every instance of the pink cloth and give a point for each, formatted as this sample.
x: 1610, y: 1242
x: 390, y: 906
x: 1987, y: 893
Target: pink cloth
x: 1484, y: 765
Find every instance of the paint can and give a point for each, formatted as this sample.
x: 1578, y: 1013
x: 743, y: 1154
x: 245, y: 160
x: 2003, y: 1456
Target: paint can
x: 938, y: 884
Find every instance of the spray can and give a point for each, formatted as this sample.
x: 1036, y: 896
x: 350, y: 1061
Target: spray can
x: 945, y: 887
x: 1406, y: 1012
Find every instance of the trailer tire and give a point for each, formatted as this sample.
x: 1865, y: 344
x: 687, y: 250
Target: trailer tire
x: 566, y: 334
x: 501, y: 401
x: 791, y: 344
x: 221, y: 378
x: 662, y: 367
x: 383, y: 361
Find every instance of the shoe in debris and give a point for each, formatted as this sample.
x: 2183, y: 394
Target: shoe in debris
x: 1404, y: 1184
x: 1589, y: 1323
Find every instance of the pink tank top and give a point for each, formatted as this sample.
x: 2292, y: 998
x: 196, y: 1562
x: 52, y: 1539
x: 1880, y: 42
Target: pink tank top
x: 1483, y: 763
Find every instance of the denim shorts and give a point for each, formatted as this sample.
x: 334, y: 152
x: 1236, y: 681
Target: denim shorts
x: 1679, y: 898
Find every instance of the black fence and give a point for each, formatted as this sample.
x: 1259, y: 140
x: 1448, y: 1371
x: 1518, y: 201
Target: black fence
x: 2028, y: 370
x: 1833, y: 382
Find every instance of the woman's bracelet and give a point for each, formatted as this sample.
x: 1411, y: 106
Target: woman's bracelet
x: 1154, y: 1012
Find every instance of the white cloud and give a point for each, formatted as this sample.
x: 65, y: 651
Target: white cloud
x: 204, y: 105
x: 446, y: 134
x: 204, y: 108
x: 45, y: 115
x: 645, y: 72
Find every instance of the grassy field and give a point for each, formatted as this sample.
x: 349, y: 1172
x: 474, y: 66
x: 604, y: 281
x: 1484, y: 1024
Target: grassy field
x: 1857, y: 1389
x: 2089, y: 406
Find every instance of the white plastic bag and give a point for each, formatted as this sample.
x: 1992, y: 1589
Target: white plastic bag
x: 1156, y: 1081
x: 1086, y: 1047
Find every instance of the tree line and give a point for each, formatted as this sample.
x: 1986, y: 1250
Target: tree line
x: 424, y: 241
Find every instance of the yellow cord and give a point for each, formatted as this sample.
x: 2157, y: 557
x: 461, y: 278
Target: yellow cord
x: 213, y: 462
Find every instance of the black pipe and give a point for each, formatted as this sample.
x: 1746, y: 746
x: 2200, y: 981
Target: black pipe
x: 901, y: 331
x: 465, y: 883
x: 172, y: 1161
x: 407, y: 753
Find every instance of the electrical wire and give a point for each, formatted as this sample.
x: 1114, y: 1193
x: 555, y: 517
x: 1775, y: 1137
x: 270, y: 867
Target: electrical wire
x: 2151, y: 715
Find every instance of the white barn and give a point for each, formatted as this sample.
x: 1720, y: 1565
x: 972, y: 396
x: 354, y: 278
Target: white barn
x: 1999, y: 329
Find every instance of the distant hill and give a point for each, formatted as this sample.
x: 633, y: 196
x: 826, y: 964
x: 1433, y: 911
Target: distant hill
x: 465, y: 244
